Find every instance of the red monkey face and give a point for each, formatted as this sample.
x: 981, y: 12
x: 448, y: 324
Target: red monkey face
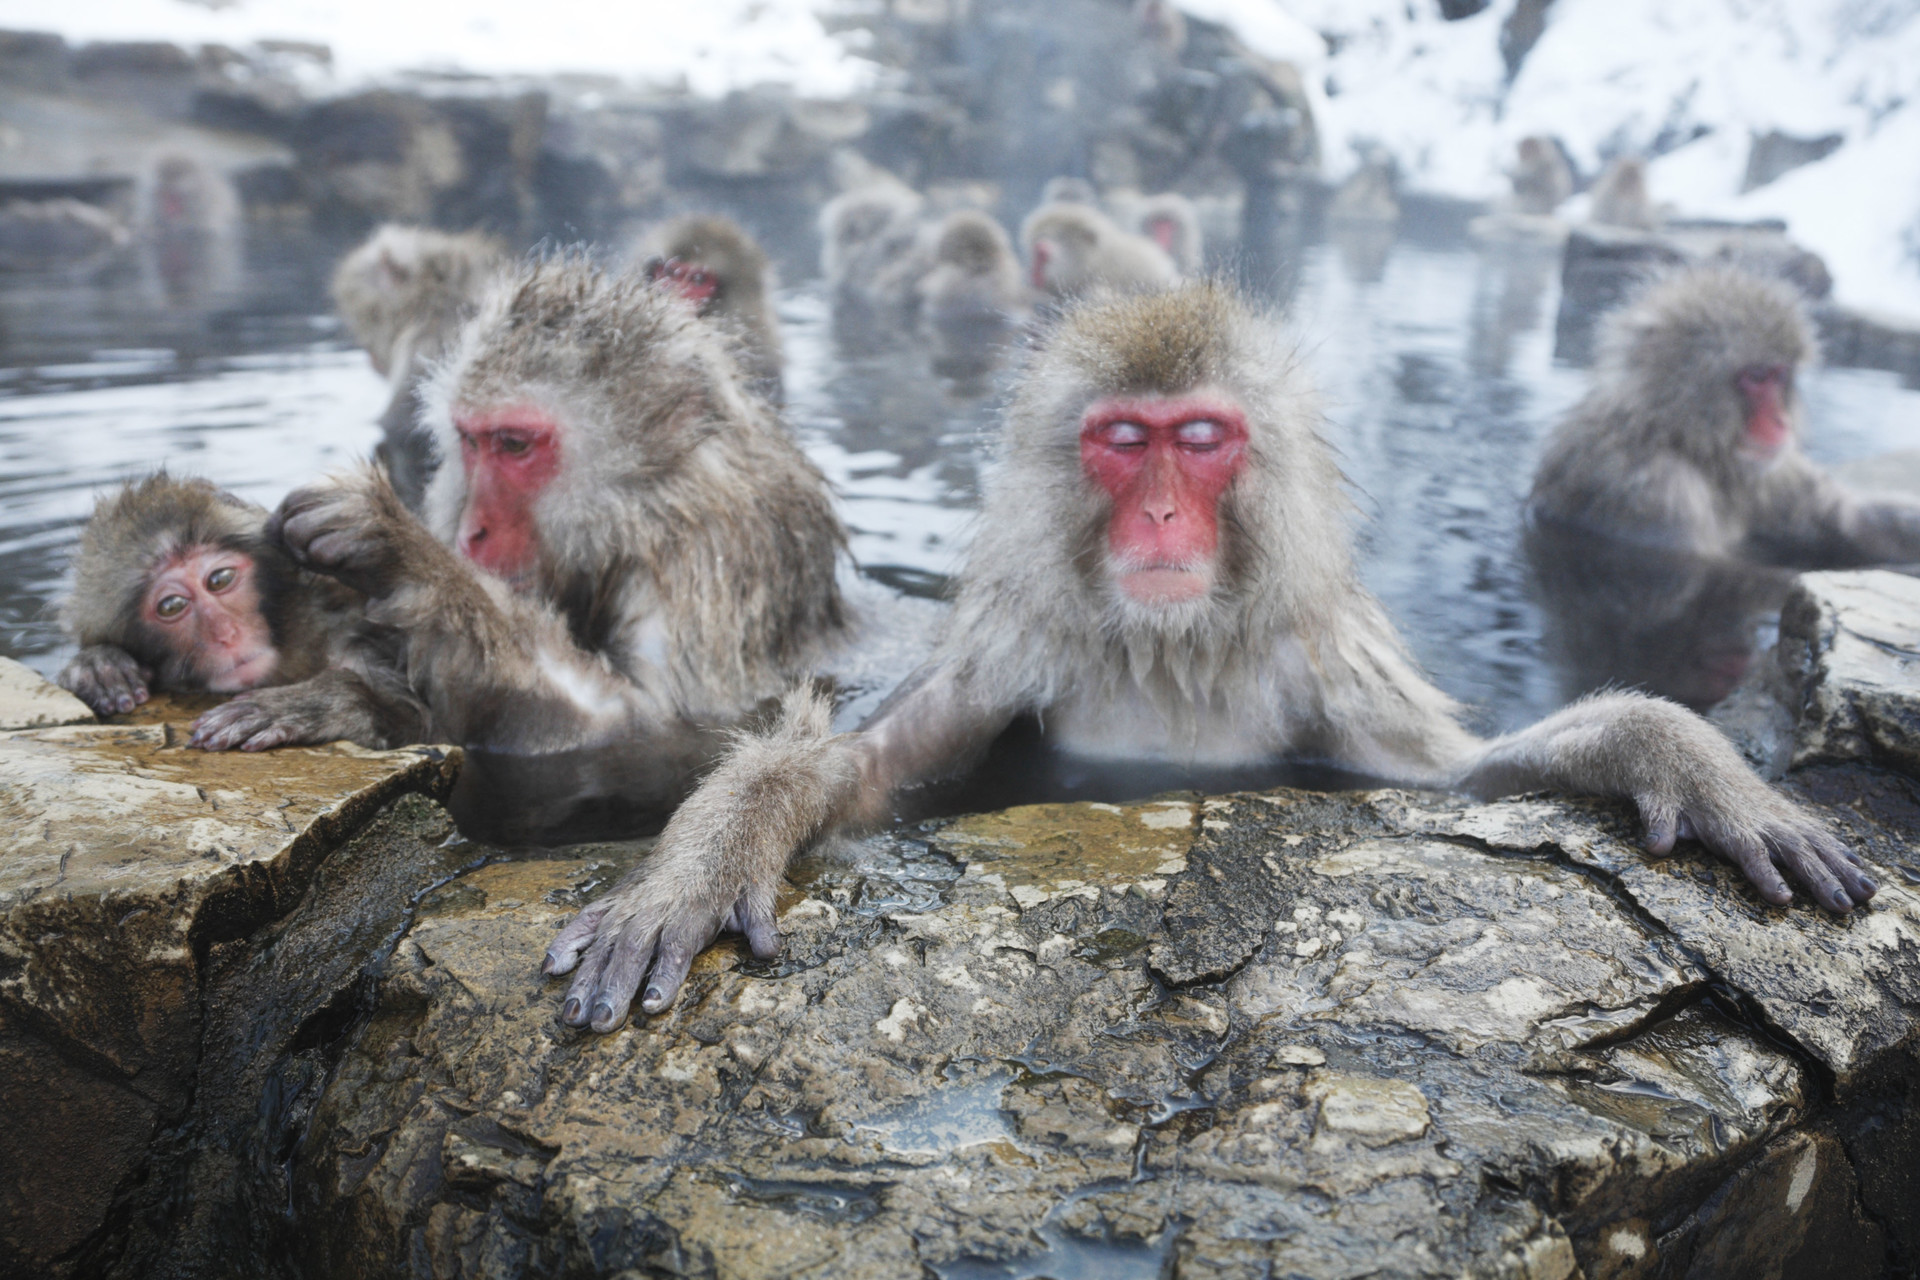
x: 509, y: 455
x: 1765, y: 390
x: 688, y: 279
x: 1165, y: 462
x: 1164, y: 232
x: 204, y: 605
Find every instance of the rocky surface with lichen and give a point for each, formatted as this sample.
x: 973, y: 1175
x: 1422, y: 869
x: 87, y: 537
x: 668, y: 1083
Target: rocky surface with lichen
x: 259, y: 1027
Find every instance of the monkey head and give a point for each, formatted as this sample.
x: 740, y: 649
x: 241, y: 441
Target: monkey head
x: 689, y: 280
x: 565, y: 402
x: 176, y: 573
x: 708, y: 260
x: 406, y: 280
x: 972, y: 242
x: 1717, y: 351
x: 1061, y: 240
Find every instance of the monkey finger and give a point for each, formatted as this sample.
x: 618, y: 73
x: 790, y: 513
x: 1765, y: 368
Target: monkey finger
x: 1753, y: 860
x: 632, y: 953
x: 1813, y: 875
x: 678, y: 947
x: 579, y: 999
x: 755, y: 920
x: 1662, y: 822
x: 564, y: 951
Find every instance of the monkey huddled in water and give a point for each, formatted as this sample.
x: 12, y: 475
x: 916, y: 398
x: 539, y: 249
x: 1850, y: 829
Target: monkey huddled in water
x: 714, y: 264
x: 1162, y: 572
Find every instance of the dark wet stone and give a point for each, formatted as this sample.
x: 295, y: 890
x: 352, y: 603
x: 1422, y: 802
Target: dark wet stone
x: 1850, y: 647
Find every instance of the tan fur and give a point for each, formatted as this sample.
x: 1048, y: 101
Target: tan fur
x: 743, y: 299
x: 1087, y: 251
x: 1619, y: 197
x: 405, y: 291
x: 974, y: 271
x: 872, y: 251
x: 1541, y: 180
x: 1188, y: 249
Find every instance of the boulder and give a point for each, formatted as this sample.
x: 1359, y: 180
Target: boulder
x: 29, y: 701
x: 124, y: 860
x: 1850, y: 646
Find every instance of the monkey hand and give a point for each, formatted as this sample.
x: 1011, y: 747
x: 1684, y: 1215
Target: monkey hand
x: 657, y: 920
x: 1759, y: 830
x: 106, y: 678
x: 256, y: 721
x: 349, y: 527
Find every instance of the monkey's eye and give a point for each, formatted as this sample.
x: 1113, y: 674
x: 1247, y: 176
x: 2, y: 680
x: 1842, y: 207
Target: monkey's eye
x: 1124, y: 435
x: 171, y: 607
x: 1201, y: 435
x: 697, y: 276
x: 222, y: 578
x: 513, y: 446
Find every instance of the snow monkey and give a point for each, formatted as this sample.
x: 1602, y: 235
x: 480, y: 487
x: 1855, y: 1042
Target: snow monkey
x: 1162, y: 572
x: 176, y: 588
x: 404, y: 294
x: 1542, y: 180
x: 1689, y: 435
x: 1072, y: 248
x: 872, y: 249
x: 624, y: 546
x: 713, y: 263
x: 975, y: 275
x: 1620, y: 196
x: 1170, y: 221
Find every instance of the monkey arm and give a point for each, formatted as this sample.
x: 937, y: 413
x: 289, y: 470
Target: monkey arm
x: 107, y: 678
x: 496, y: 669
x: 337, y: 704
x: 1686, y: 780
x: 1811, y: 519
x: 720, y: 859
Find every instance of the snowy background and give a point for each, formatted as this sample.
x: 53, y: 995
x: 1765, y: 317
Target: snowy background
x: 1691, y: 81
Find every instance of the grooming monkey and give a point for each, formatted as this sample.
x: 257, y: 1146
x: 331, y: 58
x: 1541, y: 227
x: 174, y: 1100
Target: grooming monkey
x: 176, y: 588
x: 404, y: 294
x: 625, y: 547
x: 1073, y: 248
x: 713, y: 263
x: 1689, y: 435
x: 1162, y: 572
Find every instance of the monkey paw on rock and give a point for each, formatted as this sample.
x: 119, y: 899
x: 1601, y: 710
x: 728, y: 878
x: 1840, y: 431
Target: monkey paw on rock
x: 253, y: 721
x: 658, y: 921
x: 107, y: 679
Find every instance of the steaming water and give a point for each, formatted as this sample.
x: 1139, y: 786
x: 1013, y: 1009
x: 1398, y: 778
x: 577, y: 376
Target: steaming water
x: 1437, y: 376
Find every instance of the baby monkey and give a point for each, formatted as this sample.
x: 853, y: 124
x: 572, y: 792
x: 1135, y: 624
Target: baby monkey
x: 177, y: 589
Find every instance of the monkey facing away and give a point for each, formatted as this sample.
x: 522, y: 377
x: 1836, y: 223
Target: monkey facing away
x: 1542, y: 180
x: 714, y: 264
x: 1619, y: 197
x: 404, y: 293
x: 975, y: 274
x: 1073, y: 248
x: 625, y: 547
x: 1161, y: 572
x: 1689, y: 435
x: 177, y: 588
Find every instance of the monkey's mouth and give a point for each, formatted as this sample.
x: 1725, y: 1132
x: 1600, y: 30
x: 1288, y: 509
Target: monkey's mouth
x: 248, y: 671
x: 1164, y: 582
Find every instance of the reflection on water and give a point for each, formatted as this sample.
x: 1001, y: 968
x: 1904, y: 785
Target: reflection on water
x: 1434, y: 363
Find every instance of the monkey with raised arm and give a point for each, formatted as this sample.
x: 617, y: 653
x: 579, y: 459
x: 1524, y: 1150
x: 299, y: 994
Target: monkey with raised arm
x: 1074, y: 248
x: 404, y: 293
x: 176, y: 588
x: 714, y: 264
x: 625, y: 548
x: 1162, y: 572
x: 1689, y: 435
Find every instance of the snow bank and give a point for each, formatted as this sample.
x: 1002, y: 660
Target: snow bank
x: 1689, y: 81
x: 711, y: 46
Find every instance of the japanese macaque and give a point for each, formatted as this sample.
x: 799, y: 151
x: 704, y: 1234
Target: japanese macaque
x: 1162, y: 572
x: 404, y: 294
x: 1370, y: 193
x: 624, y: 549
x: 1619, y: 197
x: 1542, y: 179
x: 189, y: 226
x: 872, y: 251
x: 176, y: 588
x: 975, y: 275
x: 1689, y: 435
x: 713, y: 263
x: 1073, y: 248
x: 1170, y: 221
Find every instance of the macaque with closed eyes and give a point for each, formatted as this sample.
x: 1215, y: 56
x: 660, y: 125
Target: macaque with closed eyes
x: 1689, y: 437
x: 1162, y: 572
x: 625, y: 548
x: 176, y: 588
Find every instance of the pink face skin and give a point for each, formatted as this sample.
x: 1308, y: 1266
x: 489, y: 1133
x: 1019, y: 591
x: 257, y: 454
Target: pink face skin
x: 510, y: 455
x: 1765, y: 389
x: 690, y: 280
x: 1163, y: 232
x: 1165, y: 461
x: 205, y: 604
x: 1042, y: 255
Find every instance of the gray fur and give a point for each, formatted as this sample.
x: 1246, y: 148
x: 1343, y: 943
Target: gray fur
x: 742, y: 302
x: 1085, y: 251
x: 1652, y: 454
x: 1619, y: 197
x: 975, y: 273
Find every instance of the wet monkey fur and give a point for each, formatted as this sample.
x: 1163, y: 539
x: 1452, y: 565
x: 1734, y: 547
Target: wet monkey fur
x: 624, y: 545
x: 1689, y: 437
x: 176, y: 588
x: 1162, y: 571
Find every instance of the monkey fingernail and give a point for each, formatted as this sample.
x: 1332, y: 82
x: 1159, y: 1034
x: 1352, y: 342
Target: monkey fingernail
x: 548, y: 965
x: 570, y: 1013
x: 603, y: 1017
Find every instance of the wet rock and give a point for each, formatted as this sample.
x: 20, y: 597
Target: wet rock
x: 29, y: 701
x: 124, y: 858
x: 1850, y: 645
x: 1870, y: 340
x: 1291, y: 1033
